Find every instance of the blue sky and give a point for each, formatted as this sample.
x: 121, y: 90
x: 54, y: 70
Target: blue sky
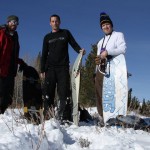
x: 81, y: 17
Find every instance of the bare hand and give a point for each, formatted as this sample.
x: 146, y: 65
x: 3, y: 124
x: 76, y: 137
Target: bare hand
x: 104, y: 54
x: 97, y: 60
x: 83, y: 51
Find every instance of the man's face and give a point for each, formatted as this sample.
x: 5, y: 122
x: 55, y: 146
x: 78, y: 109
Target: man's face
x: 55, y: 23
x: 107, y: 28
x: 12, y: 25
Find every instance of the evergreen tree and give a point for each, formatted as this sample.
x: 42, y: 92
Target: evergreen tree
x: 37, y: 63
x: 87, y: 90
x: 135, y: 104
x: 148, y: 108
x: 145, y: 110
x: 129, y: 97
x: 143, y: 106
x: 129, y: 91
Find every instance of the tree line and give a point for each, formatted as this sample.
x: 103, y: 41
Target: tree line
x: 87, y: 96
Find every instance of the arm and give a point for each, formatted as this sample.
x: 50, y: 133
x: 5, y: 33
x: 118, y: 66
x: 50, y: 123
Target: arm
x: 44, y: 55
x: 120, y: 46
x: 1, y: 39
x: 73, y: 43
x: 44, y: 58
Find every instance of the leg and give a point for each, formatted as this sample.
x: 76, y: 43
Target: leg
x: 1, y: 94
x: 69, y: 104
x: 49, y: 90
x: 63, y: 90
x: 6, y: 92
x: 10, y: 89
x: 99, y: 88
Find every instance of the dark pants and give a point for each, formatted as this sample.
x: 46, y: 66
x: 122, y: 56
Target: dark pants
x: 99, y: 89
x: 56, y: 76
x: 6, y: 92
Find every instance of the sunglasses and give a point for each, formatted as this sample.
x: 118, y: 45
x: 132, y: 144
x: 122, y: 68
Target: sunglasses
x: 14, y: 22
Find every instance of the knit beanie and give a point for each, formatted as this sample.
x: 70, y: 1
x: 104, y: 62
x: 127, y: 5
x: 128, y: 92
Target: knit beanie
x: 104, y: 18
x: 12, y: 17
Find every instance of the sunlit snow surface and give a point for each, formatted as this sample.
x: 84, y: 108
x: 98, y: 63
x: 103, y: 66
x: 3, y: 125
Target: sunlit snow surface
x: 17, y: 134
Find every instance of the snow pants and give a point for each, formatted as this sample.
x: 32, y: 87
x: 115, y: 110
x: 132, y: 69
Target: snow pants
x: 99, y: 89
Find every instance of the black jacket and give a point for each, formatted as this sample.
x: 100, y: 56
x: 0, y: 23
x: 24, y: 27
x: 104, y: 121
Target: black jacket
x: 55, y: 49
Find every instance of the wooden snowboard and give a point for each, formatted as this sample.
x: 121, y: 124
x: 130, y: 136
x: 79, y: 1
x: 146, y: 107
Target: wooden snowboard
x: 75, y: 84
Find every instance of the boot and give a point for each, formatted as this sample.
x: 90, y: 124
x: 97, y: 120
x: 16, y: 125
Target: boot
x: 48, y: 108
x: 60, y: 111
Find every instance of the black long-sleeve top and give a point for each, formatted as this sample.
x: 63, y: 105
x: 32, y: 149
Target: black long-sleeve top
x: 55, y: 49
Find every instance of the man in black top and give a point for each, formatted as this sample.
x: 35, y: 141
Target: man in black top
x: 55, y: 65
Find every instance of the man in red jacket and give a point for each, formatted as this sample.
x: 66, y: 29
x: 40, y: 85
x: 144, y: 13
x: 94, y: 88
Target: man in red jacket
x: 9, y: 59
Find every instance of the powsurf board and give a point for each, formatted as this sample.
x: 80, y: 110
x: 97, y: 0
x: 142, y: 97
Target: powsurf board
x: 115, y: 88
x: 75, y: 84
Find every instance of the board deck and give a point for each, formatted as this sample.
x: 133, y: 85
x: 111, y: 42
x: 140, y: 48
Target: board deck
x: 115, y: 88
x: 75, y: 84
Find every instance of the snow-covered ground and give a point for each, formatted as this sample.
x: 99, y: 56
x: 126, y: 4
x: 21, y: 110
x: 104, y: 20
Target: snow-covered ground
x: 17, y: 134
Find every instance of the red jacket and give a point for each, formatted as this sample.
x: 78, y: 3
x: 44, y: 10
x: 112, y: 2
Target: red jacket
x: 9, y: 53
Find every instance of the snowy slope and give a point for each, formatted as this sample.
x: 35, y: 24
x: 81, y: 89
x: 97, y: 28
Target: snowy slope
x: 16, y: 134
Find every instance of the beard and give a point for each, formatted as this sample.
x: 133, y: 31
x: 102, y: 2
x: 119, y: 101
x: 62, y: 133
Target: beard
x: 12, y: 27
